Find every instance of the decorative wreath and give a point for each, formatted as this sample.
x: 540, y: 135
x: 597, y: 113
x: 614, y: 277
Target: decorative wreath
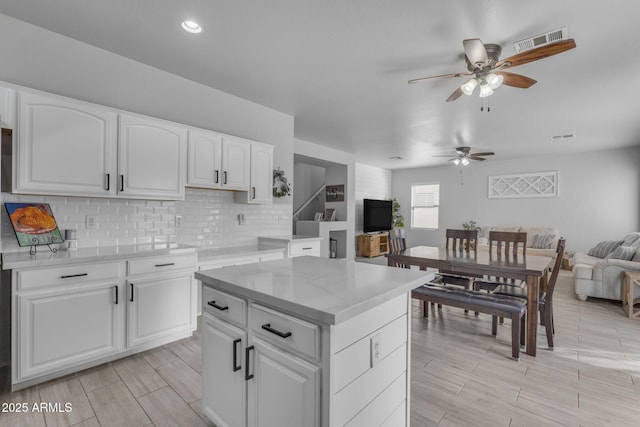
x: 281, y: 187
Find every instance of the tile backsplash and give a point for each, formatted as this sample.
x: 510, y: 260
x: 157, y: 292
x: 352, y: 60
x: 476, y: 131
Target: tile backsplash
x: 208, y: 218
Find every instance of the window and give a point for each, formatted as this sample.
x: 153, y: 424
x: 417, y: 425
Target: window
x: 425, y: 204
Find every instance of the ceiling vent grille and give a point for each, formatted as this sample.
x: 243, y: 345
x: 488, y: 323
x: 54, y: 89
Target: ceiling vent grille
x: 542, y: 39
x: 561, y: 137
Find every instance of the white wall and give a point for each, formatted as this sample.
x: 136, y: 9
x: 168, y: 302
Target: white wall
x: 345, y: 211
x: 40, y: 59
x: 599, y: 196
x: 307, y: 179
x: 371, y: 183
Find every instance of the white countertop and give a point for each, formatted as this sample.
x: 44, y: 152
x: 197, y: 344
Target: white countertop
x: 44, y: 257
x: 321, y: 290
x: 212, y: 254
x: 287, y: 238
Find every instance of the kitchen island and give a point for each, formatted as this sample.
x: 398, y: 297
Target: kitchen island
x: 307, y: 341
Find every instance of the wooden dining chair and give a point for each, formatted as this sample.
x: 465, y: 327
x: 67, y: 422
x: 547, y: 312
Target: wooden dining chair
x: 506, y: 246
x: 397, y: 240
x: 545, y: 299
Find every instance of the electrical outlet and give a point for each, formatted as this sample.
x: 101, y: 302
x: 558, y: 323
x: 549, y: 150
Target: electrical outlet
x: 376, y: 349
x: 178, y: 220
x: 241, y: 220
x: 91, y: 222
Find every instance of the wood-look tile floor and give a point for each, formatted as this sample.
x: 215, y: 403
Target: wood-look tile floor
x: 461, y: 376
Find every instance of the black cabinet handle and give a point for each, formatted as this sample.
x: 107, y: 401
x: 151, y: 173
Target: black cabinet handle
x: 121, y: 182
x: 236, y: 367
x: 108, y: 181
x: 165, y: 264
x: 307, y: 249
x: 267, y: 327
x: 253, y: 193
x: 74, y: 275
x: 247, y: 375
x: 217, y: 176
x: 219, y: 307
x: 131, y: 298
x: 224, y: 174
x: 116, y: 286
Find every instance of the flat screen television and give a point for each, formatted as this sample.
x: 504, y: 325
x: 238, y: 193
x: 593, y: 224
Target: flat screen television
x: 377, y: 215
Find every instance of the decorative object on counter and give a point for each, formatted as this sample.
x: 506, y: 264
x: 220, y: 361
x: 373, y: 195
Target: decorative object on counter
x: 330, y: 215
x: 471, y: 226
x: 318, y: 216
x: 281, y: 187
x: 70, y: 237
x: 333, y: 247
x: 397, y: 220
x: 334, y: 193
x: 34, y: 225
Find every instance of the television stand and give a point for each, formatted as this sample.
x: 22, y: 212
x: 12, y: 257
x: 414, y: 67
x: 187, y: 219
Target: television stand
x: 370, y: 245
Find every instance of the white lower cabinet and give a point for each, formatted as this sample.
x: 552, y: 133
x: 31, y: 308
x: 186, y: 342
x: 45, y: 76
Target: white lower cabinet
x: 283, y: 390
x: 66, y: 318
x: 61, y: 328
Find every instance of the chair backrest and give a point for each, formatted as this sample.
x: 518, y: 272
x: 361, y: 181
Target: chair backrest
x: 551, y: 284
x: 509, y: 242
x: 461, y: 240
x: 397, y: 241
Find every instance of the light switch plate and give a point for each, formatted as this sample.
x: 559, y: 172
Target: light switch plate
x: 91, y: 222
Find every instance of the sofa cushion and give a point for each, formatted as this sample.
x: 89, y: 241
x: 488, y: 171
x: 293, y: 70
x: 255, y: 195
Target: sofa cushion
x: 636, y: 257
x: 604, y: 248
x: 532, y: 232
x: 542, y: 241
x: 622, y: 252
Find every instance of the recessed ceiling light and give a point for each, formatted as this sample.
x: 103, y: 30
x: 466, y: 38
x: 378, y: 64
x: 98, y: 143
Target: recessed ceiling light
x: 191, y: 26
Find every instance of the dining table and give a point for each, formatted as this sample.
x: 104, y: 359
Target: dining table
x: 532, y: 270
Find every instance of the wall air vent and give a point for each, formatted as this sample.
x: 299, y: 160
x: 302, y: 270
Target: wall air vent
x: 542, y: 39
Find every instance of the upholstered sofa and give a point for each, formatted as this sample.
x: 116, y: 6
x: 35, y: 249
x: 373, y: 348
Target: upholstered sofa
x: 547, y: 249
x: 599, y: 275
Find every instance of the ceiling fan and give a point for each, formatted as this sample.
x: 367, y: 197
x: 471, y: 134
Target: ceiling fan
x: 486, y: 67
x: 464, y: 154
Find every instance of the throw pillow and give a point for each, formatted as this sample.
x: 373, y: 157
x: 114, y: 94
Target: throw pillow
x: 623, y: 252
x: 603, y: 249
x: 542, y: 241
x: 630, y: 238
x: 636, y: 257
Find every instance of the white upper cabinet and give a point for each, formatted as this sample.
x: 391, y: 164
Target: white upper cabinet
x: 218, y: 161
x: 261, y: 176
x: 152, y: 158
x: 235, y: 164
x: 205, y: 159
x: 7, y: 107
x: 66, y: 147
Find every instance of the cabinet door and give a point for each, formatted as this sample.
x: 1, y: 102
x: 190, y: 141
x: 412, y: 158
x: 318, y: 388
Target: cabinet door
x: 160, y: 307
x: 59, y: 329
x: 205, y: 163
x: 152, y: 158
x: 65, y: 147
x: 261, y: 190
x: 284, y: 390
x: 235, y: 164
x: 223, y: 373
x: 7, y: 108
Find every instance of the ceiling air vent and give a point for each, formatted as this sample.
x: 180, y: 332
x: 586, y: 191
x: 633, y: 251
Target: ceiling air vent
x: 561, y: 137
x: 542, y: 39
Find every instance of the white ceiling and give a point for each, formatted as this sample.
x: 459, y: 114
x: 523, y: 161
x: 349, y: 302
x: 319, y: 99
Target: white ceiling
x: 341, y: 67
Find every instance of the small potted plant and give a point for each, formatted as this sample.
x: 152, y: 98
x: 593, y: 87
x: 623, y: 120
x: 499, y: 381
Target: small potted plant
x: 396, y: 217
x: 471, y: 225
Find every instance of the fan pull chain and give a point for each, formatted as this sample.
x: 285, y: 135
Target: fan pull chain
x: 461, y: 178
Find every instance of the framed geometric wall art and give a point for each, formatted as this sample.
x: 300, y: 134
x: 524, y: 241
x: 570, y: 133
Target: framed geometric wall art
x: 523, y: 185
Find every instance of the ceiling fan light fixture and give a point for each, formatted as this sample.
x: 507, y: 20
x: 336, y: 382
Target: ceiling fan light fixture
x: 456, y: 162
x: 468, y: 87
x: 191, y: 26
x: 464, y: 161
x: 485, y: 90
x: 495, y: 80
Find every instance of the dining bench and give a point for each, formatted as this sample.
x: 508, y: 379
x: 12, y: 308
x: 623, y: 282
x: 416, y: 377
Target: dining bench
x: 497, y: 305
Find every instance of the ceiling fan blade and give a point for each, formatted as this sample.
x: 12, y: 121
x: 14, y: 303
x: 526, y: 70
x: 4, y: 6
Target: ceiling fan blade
x: 537, y: 53
x: 486, y: 153
x: 477, y: 158
x: 476, y: 52
x: 442, y: 75
x: 516, y: 80
x: 442, y: 155
x: 455, y: 95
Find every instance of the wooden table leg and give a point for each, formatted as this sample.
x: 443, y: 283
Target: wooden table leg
x: 533, y: 289
x: 627, y: 296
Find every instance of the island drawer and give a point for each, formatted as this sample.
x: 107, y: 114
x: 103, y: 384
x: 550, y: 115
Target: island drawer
x: 224, y: 306
x: 304, y: 248
x: 161, y: 264
x: 284, y: 330
x: 68, y: 274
